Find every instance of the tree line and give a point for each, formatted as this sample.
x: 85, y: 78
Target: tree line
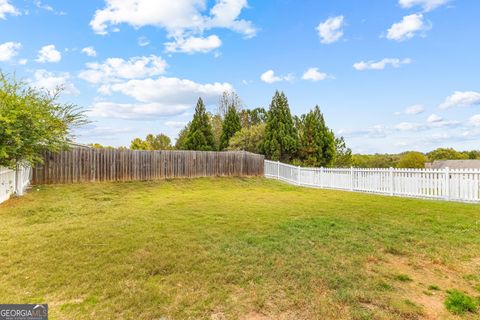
x: 34, y: 121
x: 304, y: 140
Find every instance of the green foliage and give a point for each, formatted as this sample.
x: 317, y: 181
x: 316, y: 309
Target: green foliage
x: 217, y: 124
x: 231, y: 125
x: 281, y: 140
x: 182, y: 137
x: 473, y: 155
x: 433, y: 287
x: 152, y: 142
x: 317, y: 142
x: 412, y: 159
x: 248, y: 139
x: 99, y: 146
x: 138, y: 144
x: 343, y: 154
x: 253, y: 117
x: 459, y: 303
x: 200, y: 135
x: 375, y: 160
x: 32, y: 122
x: 446, y: 154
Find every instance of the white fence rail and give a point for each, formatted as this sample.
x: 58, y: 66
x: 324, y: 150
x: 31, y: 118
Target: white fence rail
x: 13, y: 182
x: 442, y: 184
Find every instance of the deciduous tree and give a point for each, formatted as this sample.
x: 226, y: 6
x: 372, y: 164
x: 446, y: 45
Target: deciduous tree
x: 32, y: 122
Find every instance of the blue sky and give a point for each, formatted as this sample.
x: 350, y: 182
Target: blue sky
x: 389, y: 75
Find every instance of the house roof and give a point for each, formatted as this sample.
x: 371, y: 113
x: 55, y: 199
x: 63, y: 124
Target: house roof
x: 456, y: 164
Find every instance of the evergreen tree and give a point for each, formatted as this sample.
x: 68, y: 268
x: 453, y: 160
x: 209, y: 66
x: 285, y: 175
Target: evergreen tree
x: 231, y: 125
x: 200, y: 135
x: 317, y: 142
x: 281, y: 140
x: 182, y: 138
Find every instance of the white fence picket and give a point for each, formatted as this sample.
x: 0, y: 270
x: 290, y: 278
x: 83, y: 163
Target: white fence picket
x: 461, y: 185
x: 13, y: 182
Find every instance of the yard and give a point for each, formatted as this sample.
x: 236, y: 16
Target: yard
x: 225, y: 248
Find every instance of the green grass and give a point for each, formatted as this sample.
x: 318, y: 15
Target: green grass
x: 233, y: 249
x: 459, y: 303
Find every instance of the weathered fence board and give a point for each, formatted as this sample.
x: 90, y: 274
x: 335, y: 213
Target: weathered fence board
x: 88, y: 165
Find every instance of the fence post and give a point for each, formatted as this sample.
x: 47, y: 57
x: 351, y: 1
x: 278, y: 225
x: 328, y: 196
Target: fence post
x: 278, y: 170
x: 298, y: 175
x: 447, y: 183
x: 351, y: 179
x: 321, y: 177
x: 18, y: 179
x: 392, y: 183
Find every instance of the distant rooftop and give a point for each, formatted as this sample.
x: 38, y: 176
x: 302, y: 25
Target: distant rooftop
x: 453, y: 164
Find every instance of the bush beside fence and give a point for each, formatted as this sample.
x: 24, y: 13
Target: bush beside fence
x: 443, y: 184
x: 89, y: 165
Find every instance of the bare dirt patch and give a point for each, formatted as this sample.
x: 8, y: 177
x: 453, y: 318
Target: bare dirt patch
x: 424, y: 282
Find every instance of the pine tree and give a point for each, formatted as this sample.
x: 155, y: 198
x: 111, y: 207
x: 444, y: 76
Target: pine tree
x: 200, y: 135
x: 281, y: 140
x: 231, y: 125
x: 317, y: 142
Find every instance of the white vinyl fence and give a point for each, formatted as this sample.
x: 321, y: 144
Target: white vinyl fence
x: 442, y: 184
x: 13, y: 182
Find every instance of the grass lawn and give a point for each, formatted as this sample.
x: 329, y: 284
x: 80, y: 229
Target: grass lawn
x: 236, y: 249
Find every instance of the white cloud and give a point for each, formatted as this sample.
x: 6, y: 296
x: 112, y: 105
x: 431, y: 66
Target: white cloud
x: 51, y: 81
x: 225, y: 14
x: 23, y: 62
x: 8, y: 50
x: 314, y: 75
x: 185, y: 19
x: 176, y: 124
x: 427, y: 5
x: 380, y: 65
x: 408, y: 27
x: 376, y: 131
x: 170, y: 90
x: 270, y: 77
x: 48, y: 54
x: 91, y: 130
x: 114, y: 69
x: 134, y: 111
x: 143, y: 41
x: 408, y: 126
x: 331, y: 30
x: 194, y: 44
x: 475, y: 120
x: 7, y: 8
x: 414, y: 109
x: 461, y: 99
x: 434, y: 118
x: 89, y: 51
x: 158, y: 97
x: 445, y: 123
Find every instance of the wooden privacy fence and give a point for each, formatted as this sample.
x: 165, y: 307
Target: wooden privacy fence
x: 443, y: 184
x: 88, y: 165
